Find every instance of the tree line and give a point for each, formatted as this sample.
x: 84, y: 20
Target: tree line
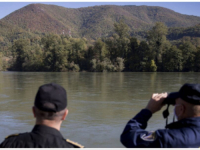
x: 120, y: 52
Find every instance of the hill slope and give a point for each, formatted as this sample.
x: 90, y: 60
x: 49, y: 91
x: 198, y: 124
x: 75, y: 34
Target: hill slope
x: 94, y: 22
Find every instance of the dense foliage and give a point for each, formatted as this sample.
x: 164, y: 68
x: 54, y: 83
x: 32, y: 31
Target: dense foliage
x: 119, y: 52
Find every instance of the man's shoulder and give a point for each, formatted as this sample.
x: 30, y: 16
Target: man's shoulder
x: 22, y: 140
x: 12, y: 135
x: 74, y: 144
x: 10, y: 140
x: 17, y: 135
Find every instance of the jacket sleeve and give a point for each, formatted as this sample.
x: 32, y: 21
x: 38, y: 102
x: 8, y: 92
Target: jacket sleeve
x: 135, y: 135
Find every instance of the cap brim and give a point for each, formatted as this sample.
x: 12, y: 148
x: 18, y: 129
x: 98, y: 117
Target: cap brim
x: 173, y: 95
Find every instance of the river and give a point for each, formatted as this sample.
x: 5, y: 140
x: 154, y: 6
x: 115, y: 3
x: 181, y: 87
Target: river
x: 99, y: 104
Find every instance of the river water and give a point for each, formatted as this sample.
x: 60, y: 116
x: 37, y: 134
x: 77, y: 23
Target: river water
x: 99, y: 104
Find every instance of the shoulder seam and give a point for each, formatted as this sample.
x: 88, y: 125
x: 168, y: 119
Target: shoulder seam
x: 74, y: 143
x: 11, y: 135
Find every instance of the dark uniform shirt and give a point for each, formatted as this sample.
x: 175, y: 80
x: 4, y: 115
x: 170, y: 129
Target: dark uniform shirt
x: 40, y: 137
x: 180, y: 134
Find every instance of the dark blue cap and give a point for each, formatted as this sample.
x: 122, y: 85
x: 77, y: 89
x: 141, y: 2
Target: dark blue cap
x: 51, y: 98
x: 188, y: 92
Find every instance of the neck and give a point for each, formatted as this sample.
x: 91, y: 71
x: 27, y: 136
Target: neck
x: 49, y: 123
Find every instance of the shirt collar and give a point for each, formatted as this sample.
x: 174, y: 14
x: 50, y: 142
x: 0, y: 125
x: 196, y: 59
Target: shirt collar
x: 43, y: 129
x: 195, y: 122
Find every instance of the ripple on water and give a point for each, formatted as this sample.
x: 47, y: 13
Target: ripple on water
x: 7, y: 101
x: 19, y: 88
x: 3, y: 96
x: 100, y: 102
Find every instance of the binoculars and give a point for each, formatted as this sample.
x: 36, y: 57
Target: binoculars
x: 170, y: 99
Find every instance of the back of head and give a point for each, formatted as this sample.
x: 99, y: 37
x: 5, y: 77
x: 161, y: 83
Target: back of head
x: 189, y: 96
x: 50, y: 101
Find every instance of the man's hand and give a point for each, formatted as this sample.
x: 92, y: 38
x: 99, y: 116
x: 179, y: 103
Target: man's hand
x: 156, y: 102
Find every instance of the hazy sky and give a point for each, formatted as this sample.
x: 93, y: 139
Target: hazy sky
x: 189, y: 8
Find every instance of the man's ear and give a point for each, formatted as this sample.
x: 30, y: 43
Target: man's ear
x: 65, y: 114
x: 33, y: 109
x: 181, y: 111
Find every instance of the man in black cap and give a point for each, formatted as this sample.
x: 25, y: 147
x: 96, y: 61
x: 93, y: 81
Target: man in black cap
x: 180, y: 134
x: 49, y: 110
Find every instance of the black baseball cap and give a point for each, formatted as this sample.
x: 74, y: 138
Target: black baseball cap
x: 51, y: 98
x: 188, y: 92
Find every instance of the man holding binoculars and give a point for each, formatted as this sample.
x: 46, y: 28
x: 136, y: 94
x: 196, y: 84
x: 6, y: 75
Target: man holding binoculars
x: 183, y: 133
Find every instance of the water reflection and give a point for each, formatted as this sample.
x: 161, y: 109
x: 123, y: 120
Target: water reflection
x: 100, y: 104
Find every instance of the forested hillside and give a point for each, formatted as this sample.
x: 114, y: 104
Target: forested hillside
x: 119, y: 52
x: 94, y: 22
x: 178, y: 32
x: 102, y: 38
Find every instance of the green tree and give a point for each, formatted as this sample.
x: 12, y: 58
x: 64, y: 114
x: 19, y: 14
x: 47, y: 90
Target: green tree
x: 100, y: 50
x: 139, y: 56
x: 145, y: 56
x: 73, y: 67
x: 119, y: 64
x: 121, y: 29
x: 77, y: 52
x: 117, y: 45
x: 197, y: 60
x: 132, y: 58
x: 188, y: 50
x: 156, y: 38
x: 173, y: 60
x: 111, y: 44
x: 20, y: 50
x: 89, y: 55
x: 55, y: 55
x: 35, y: 59
x: 153, y: 67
